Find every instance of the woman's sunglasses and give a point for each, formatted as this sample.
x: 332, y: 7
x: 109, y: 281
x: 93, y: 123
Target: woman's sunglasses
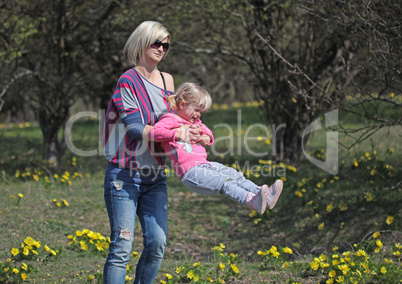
x: 158, y: 44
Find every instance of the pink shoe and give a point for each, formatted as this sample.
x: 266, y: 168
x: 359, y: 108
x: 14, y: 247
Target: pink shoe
x: 274, y: 192
x: 257, y: 202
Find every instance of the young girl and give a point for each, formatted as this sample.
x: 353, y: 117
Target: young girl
x: 189, y: 160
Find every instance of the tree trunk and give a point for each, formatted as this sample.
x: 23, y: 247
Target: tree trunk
x: 51, y: 124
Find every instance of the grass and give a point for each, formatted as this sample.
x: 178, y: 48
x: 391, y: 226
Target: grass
x: 316, y: 212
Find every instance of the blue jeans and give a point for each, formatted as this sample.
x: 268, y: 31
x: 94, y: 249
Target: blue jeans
x: 215, y: 178
x: 128, y: 195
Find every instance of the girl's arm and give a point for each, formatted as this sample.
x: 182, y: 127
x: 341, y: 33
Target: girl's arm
x: 207, y: 136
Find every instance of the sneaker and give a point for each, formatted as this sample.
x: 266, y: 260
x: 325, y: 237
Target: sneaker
x: 257, y: 202
x: 274, y: 192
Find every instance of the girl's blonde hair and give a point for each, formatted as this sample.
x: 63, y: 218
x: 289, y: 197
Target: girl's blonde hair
x: 142, y: 38
x: 191, y: 93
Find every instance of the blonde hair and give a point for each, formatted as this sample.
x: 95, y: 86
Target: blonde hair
x: 142, y: 38
x: 191, y: 93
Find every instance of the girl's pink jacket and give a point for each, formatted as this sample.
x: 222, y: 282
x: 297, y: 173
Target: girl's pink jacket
x: 183, y: 156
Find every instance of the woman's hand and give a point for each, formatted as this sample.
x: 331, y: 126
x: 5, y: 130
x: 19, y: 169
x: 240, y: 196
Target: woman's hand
x: 195, y: 133
x: 183, y: 134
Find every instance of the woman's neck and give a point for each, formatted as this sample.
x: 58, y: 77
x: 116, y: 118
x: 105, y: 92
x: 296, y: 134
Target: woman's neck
x: 148, y: 72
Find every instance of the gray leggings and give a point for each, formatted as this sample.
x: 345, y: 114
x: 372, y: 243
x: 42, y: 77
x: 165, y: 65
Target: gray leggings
x: 215, y: 178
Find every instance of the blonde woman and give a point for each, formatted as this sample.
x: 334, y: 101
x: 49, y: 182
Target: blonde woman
x: 135, y: 183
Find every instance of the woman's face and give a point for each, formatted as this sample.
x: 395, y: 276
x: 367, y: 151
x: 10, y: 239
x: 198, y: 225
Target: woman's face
x: 154, y: 54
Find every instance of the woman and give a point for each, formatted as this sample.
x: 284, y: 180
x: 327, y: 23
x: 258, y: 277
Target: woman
x: 135, y: 183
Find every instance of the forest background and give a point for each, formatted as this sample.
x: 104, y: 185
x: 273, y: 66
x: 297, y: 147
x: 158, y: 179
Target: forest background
x: 284, y: 63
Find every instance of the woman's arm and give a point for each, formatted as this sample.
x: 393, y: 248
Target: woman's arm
x: 168, y: 129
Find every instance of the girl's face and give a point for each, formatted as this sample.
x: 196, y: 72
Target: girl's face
x: 190, y: 112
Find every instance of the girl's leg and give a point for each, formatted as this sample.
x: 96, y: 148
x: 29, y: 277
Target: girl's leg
x: 153, y: 215
x: 214, y: 179
x: 237, y: 177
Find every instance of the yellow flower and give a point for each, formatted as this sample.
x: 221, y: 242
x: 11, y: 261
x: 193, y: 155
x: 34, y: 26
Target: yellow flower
x: 24, y: 276
x: 343, y: 206
x: 179, y: 269
x: 15, y: 251
x: 190, y: 274
x: 235, y: 268
x: 383, y: 270
x: 340, y: 279
x: 25, y: 251
x: 379, y: 243
x: 221, y: 280
x: 288, y: 250
x: 196, y: 264
x: 321, y: 226
x: 163, y: 282
x: 29, y: 241
x: 369, y: 197
x: 389, y: 220
x: 361, y: 252
x: 99, y: 246
x: 20, y: 195
x: 330, y: 207
x: 332, y: 273
x: 53, y: 252
x: 315, y: 265
x: 285, y: 264
x: 299, y: 193
x: 15, y: 270
x: 168, y: 276
x: 376, y: 235
x: 78, y: 233
x: 276, y: 254
x: 344, y: 268
x: 222, y: 266
x: 91, y: 277
x: 335, y: 248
